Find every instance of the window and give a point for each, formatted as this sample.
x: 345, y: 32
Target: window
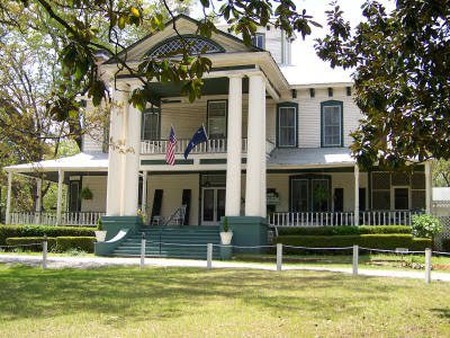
x: 217, y: 119
x: 150, y: 124
x: 287, y: 125
x: 310, y: 193
x: 259, y: 40
x: 332, y: 120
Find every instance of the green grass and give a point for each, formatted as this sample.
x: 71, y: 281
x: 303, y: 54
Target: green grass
x: 189, y: 302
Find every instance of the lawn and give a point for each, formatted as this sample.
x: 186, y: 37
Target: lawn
x: 189, y: 302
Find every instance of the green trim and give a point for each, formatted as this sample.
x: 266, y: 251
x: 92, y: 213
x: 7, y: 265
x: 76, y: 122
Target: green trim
x: 213, y: 161
x: 286, y: 105
x: 161, y: 162
x: 237, y: 67
x: 331, y: 103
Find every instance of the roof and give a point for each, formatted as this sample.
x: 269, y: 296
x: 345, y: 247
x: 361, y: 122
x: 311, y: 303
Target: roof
x: 316, y: 73
x: 80, y: 162
x: 311, y: 157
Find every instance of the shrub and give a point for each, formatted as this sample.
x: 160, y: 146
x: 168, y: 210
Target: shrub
x: 345, y: 230
x: 26, y: 243
x: 373, y: 241
x: 41, y: 230
x: 425, y: 225
x: 80, y: 243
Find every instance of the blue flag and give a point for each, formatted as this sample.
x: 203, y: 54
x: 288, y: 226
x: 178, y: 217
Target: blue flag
x: 199, y: 137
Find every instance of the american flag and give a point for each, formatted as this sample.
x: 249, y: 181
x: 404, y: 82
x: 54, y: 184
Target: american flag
x: 170, y: 152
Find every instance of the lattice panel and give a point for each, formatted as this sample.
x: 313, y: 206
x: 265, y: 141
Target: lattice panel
x: 381, y: 180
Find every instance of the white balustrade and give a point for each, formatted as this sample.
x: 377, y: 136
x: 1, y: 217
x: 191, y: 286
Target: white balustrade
x: 68, y: 218
x: 311, y: 219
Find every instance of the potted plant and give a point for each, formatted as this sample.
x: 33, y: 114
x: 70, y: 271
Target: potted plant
x: 100, y: 234
x: 226, y: 234
x: 86, y: 193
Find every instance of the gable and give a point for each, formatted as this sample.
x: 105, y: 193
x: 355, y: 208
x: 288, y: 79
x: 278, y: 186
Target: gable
x: 169, y: 39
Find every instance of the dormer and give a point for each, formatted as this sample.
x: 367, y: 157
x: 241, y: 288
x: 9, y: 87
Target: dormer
x: 274, y: 40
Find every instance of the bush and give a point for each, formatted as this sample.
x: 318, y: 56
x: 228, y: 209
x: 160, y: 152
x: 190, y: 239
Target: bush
x: 373, y: 241
x: 41, y: 230
x: 345, y: 230
x: 425, y: 225
x: 80, y: 243
x: 25, y: 243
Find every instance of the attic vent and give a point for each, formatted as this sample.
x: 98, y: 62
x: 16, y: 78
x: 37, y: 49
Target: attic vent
x: 174, y: 46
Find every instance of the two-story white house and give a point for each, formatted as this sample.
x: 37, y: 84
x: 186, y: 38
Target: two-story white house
x: 277, y: 150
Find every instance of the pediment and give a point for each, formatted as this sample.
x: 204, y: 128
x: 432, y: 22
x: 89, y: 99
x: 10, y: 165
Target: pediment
x: 169, y: 39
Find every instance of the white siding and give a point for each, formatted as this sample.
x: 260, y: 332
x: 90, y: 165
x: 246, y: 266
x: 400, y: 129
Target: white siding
x: 97, y: 184
x: 309, y: 115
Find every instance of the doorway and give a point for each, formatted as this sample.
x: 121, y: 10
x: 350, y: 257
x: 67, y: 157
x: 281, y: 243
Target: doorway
x: 213, y: 205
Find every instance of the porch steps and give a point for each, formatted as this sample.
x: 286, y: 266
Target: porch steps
x: 182, y: 242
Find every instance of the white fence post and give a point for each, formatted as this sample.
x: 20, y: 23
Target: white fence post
x: 355, y: 259
x: 44, y: 252
x: 279, y: 256
x: 209, y: 254
x: 428, y: 266
x: 143, y: 250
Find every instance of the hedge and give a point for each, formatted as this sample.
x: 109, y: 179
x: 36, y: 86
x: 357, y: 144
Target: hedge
x: 41, y: 230
x: 345, y: 230
x: 19, y: 241
x: 374, y: 241
x: 82, y: 243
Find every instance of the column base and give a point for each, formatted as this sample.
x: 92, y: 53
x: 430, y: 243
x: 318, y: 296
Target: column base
x: 248, y: 231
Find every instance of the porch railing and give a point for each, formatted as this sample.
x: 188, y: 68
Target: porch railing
x: 311, y: 219
x: 67, y: 218
x: 211, y: 146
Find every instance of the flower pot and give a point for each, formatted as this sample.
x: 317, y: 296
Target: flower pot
x: 100, y: 235
x: 225, y: 237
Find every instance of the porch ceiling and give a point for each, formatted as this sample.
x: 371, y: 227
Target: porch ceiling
x: 310, y: 157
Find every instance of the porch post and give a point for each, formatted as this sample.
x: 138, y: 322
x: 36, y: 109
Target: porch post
x: 356, y: 220
x: 255, y: 194
x: 130, y: 174
x: 144, y: 192
x: 114, y: 184
x: 59, y: 200
x: 38, y: 200
x: 428, y: 187
x: 8, y: 199
x: 234, y: 147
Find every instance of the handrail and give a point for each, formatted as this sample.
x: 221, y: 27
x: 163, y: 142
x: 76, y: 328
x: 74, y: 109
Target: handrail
x: 181, y: 212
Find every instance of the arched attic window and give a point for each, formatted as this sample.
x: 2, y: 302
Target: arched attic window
x: 173, y: 46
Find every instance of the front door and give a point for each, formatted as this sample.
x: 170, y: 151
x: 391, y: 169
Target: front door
x: 213, y: 205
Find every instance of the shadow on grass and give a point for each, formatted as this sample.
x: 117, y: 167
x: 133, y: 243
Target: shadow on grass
x: 142, y: 294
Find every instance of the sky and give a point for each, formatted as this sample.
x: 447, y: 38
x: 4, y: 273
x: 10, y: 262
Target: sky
x: 307, y: 67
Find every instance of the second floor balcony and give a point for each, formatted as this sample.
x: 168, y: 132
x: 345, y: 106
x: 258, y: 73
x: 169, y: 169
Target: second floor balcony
x: 212, y: 146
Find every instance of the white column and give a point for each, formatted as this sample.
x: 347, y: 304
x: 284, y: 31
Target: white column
x: 59, y: 200
x: 428, y: 187
x: 356, y: 172
x: 131, y: 168
x: 114, y: 184
x: 38, y: 200
x: 144, y: 192
x: 234, y: 147
x: 8, y: 199
x: 255, y: 198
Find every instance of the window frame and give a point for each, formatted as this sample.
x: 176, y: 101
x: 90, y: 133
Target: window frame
x: 278, y: 127
x: 255, y: 40
x: 208, y: 116
x: 151, y: 111
x: 323, y: 105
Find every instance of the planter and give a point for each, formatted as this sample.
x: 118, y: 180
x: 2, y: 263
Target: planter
x: 100, y: 235
x: 225, y: 237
